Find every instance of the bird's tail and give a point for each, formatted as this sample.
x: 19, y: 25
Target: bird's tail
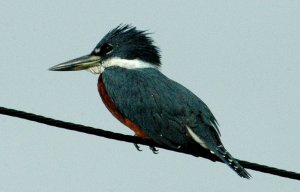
x: 226, y: 157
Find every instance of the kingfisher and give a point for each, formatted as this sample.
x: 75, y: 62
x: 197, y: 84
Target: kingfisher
x: 154, y: 107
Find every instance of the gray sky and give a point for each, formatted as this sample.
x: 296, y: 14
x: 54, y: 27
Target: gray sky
x: 242, y: 59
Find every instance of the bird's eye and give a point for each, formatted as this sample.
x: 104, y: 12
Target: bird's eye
x: 106, y: 49
x: 97, y: 50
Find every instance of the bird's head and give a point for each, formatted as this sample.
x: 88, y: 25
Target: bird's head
x: 124, y: 46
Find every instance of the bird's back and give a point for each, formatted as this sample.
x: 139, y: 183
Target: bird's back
x: 166, y: 111
x: 161, y: 107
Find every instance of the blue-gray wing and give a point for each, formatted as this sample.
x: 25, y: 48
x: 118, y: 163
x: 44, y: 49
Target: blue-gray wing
x: 161, y: 107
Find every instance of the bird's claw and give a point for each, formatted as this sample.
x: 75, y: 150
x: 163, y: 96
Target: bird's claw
x: 137, y: 147
x: 153, y: 149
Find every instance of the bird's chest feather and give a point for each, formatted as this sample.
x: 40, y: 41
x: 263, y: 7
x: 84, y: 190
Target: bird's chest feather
x: 115, y: 111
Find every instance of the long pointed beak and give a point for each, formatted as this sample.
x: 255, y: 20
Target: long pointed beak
x: 80, y: 63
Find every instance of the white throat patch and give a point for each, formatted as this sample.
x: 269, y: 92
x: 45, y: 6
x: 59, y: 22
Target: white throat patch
x: 124, y: 63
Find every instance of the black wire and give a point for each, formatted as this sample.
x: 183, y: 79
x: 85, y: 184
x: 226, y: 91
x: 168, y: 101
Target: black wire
x: 137, y: 140
x: 270, y: 170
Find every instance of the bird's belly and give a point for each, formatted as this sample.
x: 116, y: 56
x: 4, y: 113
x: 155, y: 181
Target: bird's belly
x: 114, y: 110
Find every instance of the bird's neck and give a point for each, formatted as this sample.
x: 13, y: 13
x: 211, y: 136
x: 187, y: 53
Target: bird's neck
x: 123, y: 63
x: 126, y: 63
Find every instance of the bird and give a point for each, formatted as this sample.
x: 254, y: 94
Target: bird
x: 140, y: 96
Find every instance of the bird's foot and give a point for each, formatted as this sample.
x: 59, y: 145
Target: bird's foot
x: 137, y: 147
x: 153, y: 149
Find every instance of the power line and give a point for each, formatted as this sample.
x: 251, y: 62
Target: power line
x: 136, y: 140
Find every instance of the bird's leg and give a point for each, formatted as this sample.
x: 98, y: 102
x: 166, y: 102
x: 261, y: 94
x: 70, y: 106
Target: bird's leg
x: 153, y: 149
x: 137, y: 147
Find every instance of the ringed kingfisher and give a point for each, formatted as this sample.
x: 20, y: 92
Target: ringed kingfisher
x: 155, y: 107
